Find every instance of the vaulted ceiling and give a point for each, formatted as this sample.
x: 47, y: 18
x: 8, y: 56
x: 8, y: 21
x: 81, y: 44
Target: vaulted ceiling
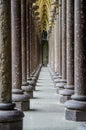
x: 46, y: 12
x: 44, y: 9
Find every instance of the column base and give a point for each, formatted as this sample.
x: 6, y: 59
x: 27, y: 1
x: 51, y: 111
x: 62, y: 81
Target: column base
x: 59, y: 86
x: 24, y: 84
x: 57, y: 79
x: 11, y: 125
x: 34, y: 78
x: 28, y: 90
x: 32, y: 83
x: 10, y: 119
x: 75, y: 110
x: 75, y: 115
x: 60, y: 81
x: 24, y: 105
x: 30, y: 94
x: 63, y: 99
x: 21, y: 100
x: 65, y: 95
x: 58, y: 89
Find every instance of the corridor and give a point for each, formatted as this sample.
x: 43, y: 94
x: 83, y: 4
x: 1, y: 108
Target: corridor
x: 46, y: 112
x: 34, y: 34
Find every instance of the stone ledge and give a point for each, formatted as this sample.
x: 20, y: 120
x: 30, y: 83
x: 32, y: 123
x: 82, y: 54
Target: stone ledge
x: 75, y: 115
x: 24, y: 106
x: 63, y: 98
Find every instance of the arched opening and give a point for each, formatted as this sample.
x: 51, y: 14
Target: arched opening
x: 44, y: 52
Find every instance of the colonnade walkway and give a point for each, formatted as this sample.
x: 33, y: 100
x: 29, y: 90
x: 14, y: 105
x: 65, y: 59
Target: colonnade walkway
x: 46, y: 112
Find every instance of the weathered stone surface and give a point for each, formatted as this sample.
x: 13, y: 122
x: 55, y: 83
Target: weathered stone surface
x: 28, y: 90
x: 76, y: 108
x: 16, y: 44
x: 75, y: 115
x: 12, y: 126
x: 28, y: 36
x: 56, y: 41
x: 24, y: 106
x: 60, y: 37
x: 64, y: 39
x: 30, y: 94
x: 23, y: 41
x: 60, y: 85
x: 68, y: 91
x: 70, y: 42
x: 63, y: 98
x: 32, y: 83
x: 59, y: 80
x: 10, y: 118
x: 5, y: 52
x: 18, y: 95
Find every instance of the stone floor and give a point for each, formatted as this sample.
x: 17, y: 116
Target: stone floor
x: 46, y: 112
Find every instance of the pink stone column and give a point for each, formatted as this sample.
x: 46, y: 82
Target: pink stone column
x: 18, y: 96
x: 9, y: 116
x: 69, y: 88
x: 76, y: 108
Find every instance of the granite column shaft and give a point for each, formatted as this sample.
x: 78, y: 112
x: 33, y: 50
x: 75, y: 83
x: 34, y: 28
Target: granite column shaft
x: 64, y: 39
x: 77, y: 106
x: 9, y: 117
x: 23, y: 42
x: 18, y: 96
x: 69, y: 88
x: 60, y: 37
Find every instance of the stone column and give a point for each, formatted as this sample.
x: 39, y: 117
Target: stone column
x: 28, y: 37
x: 23, y: 42
x: 31, y: 40
x: 64, y: 39
x: 10, y: 118
x: 28, y: 88
x: 49, y: 50
x: 33, y: 59
x: 32, y: 46
x: 37, y: 48
x: 60, y: 37
x: 29, y: 51
x: 52, y: 49
x: 25, y: 85
x: 40, y: 52
x: 61, y: 82
x: 56, y: 47
x: 19, y: 97
x: 51, y: 53
x: 69, y: 88
x: 76, y: 108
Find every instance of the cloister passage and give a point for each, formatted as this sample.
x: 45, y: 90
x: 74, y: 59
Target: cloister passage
x: 42, y: 64
x: 46, y: 113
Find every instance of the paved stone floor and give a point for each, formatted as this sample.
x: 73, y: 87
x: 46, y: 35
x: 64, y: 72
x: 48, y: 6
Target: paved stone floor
x: 46, y: 112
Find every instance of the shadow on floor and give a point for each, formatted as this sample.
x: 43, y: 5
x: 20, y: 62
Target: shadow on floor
x: 36, y: 98
x: 37, y: 90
